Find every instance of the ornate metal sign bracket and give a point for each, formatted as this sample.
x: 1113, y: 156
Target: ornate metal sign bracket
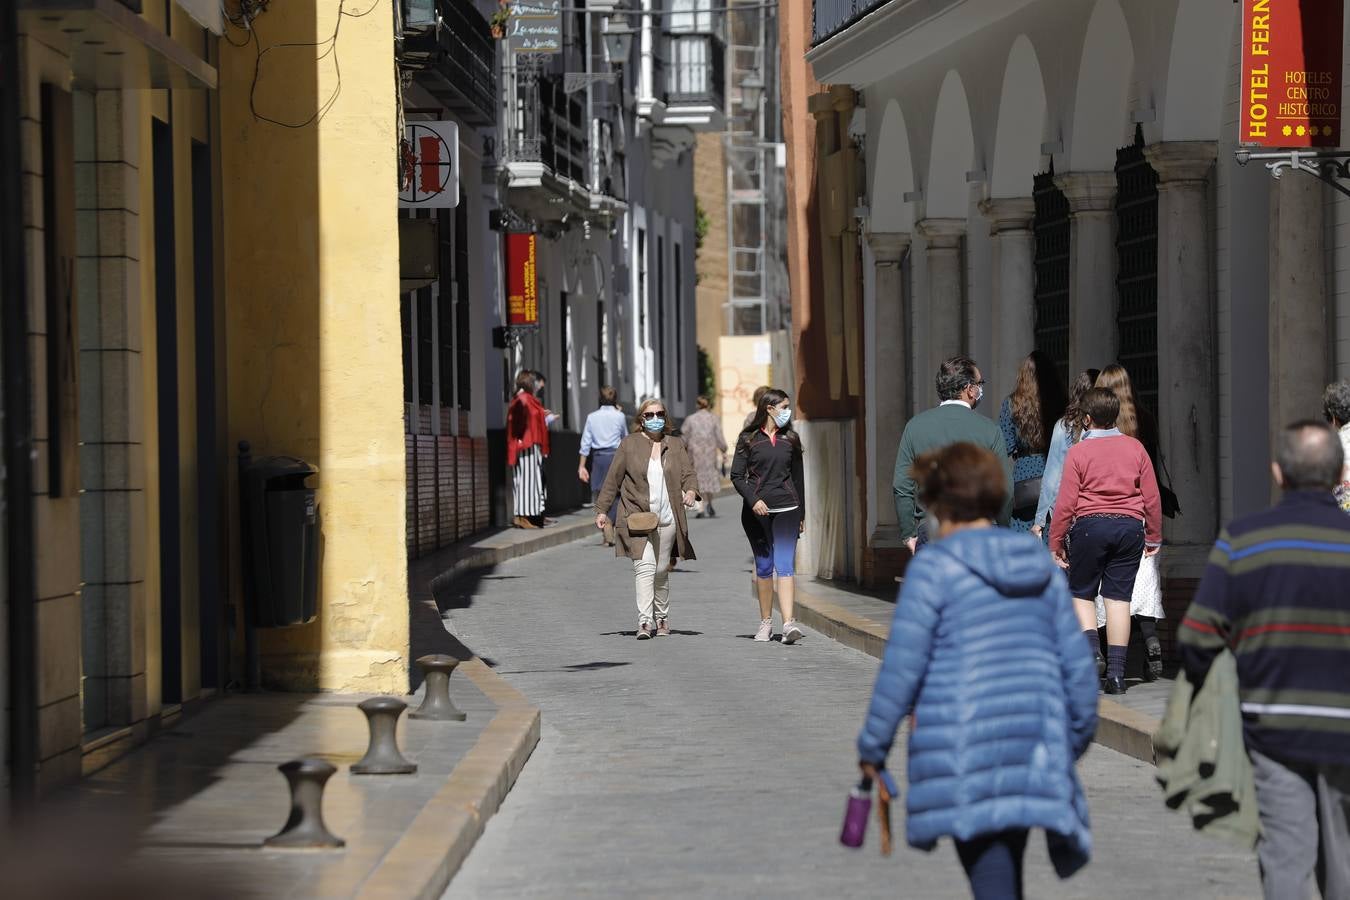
x: 579, y: 81
x: 1330, y: 166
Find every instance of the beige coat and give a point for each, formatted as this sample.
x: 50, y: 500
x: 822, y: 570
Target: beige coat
x: 627, y: 480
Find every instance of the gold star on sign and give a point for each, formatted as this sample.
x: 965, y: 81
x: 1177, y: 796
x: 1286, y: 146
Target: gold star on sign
x: 1288, y: 131
x: 1301, y: 131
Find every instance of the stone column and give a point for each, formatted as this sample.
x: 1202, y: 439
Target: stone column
x: 831, y: 265
x: 945, y: 294
x: 1300, y: 326
x: 1092, y: 268
x: 1014, y: 287
x: 889, y: 413
x: 1188, y: 411
x: 850, y: 273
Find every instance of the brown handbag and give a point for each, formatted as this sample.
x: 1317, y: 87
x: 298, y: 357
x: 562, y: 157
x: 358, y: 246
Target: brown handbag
x: 642, y: 522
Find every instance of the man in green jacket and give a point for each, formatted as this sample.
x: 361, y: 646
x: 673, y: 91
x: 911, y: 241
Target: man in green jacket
x: 960, y: 387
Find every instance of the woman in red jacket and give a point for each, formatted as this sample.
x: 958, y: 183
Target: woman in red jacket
x: 526, y: 448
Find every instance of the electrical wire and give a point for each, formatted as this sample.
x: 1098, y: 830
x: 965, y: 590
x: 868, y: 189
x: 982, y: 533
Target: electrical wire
x: 328, y: 47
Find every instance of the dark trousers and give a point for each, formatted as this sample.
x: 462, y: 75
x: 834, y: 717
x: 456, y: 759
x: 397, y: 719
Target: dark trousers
x: 601, y: 460
x: 993, y: 864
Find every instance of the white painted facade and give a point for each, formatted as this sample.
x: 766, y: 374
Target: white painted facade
x: 967, y: 100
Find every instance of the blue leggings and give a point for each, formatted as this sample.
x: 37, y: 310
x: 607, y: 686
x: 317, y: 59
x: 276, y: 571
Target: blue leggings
x: 993, y: 863
x: 773, y: 539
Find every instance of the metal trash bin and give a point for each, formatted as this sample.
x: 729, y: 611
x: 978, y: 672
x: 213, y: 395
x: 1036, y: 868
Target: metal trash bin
x: 281, y: 544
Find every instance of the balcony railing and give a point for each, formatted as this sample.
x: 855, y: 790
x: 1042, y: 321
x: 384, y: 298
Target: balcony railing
x: 693, y: 70
x: 829, y: 17
x: 549, y: 126
x: 455, y: 60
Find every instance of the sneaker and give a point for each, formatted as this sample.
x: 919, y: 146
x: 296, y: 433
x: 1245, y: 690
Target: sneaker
x: 662, y: 628
x: 1153, y: 669
x: 792, y: 633
x: 644, y: 631
x: 765, y: 630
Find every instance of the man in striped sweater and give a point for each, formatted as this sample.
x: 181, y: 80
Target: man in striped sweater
x: 1277, y: 592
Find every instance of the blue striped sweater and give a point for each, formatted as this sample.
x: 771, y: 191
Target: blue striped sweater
x: 1277, y: 591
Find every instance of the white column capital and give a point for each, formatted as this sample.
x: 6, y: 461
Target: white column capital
x: 942, y: 234
x: 1009, y: 214
x: 888, y: 247
x: 1181, y: 161
x: 1088, y: 192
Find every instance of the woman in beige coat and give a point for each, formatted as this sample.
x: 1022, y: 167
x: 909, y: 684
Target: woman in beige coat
x: 651, y: 474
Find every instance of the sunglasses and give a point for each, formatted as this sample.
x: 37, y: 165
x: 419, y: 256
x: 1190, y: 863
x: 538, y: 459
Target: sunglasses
x: 654, y: 414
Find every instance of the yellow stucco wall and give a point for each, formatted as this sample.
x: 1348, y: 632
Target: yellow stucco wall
x: 313, y: 328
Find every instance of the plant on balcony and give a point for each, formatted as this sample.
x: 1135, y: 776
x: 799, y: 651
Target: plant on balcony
x: 499, y: 19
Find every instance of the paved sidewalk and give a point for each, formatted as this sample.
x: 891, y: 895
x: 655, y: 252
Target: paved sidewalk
x: 862, y: 620
x: 196, y: 803
x: 706, y: 765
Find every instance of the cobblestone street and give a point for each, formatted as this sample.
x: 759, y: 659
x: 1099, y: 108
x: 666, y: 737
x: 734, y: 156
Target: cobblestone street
x: 707, y: 765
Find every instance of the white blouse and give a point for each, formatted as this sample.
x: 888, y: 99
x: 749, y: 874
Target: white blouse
x: 657, y: 496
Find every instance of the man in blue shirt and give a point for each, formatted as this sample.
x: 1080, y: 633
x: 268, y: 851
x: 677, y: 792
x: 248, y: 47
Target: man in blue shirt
x: 605, y: 430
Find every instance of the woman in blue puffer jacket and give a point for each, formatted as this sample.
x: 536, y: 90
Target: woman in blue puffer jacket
x: 985, y: 650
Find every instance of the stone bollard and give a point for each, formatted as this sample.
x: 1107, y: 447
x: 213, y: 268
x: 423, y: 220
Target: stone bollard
x: 436, y: 705
x: 305, y: 827
x: 382, y: 756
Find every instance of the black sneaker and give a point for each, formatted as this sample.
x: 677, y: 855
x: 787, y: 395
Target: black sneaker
x: 1115, y: 685
x: 1153, y: 669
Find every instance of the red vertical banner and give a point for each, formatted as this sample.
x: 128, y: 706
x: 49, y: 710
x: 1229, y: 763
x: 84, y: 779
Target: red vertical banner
x: 1291, y: 73
x: 522, y: 293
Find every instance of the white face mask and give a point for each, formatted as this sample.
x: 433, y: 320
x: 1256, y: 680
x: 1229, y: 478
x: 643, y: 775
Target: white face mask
x: 782, y: 417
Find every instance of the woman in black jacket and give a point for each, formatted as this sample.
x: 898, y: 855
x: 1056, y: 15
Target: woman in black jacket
x: 767, y: 471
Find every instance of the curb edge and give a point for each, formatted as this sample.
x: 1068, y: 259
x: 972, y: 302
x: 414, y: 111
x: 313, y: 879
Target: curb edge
x: 440, y: 837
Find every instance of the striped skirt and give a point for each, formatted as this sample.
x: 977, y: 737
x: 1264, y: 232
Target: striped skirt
x: 528, y: 483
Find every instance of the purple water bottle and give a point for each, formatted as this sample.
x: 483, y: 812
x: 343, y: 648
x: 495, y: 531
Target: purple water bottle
x: 855, y: 815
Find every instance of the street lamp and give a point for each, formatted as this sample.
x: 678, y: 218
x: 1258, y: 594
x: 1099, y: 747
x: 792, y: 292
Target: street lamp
x: 618, y: 41
x: 752, y: 89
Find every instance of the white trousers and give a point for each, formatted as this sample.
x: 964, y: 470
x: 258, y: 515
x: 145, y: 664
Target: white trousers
x: 652, y: 574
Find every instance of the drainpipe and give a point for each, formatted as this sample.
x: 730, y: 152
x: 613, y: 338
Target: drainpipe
x: 18, y: 439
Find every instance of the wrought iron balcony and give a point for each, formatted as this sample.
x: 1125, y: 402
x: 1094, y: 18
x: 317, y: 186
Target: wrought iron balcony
x: 449, y: 47
x: 549, y: 127
x: 829, y: 17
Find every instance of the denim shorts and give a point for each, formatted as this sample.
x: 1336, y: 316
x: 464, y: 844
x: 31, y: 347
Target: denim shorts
x: 1104, y: 554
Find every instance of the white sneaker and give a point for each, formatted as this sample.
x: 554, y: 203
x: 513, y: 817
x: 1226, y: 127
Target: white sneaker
x: 765, y: 630
x: 791, y: 632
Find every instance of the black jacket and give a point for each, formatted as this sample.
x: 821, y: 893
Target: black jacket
x: 770, y: 470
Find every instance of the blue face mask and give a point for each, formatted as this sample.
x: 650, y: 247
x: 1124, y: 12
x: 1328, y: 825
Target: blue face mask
x: 782, y: 417
x: 654, y: 425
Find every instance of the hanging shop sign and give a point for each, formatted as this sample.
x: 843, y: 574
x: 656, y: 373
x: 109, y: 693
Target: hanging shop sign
x: 429, y: 164
x: 1291, y: 73
x: 522, y: 285
x: 534, y: 26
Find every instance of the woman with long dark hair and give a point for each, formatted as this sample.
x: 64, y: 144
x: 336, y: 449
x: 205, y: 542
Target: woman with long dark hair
x: 1146, y: 605
x: 1028, y: 419
x: 526, y: 449
x: 767, y: 472
x: 1066, y: 433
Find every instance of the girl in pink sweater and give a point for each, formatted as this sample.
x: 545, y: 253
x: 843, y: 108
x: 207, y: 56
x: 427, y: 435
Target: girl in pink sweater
x: 1107, y: 516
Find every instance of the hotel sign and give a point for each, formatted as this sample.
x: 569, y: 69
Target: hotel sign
x: 522, y: 285
x: 1291, y: 73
